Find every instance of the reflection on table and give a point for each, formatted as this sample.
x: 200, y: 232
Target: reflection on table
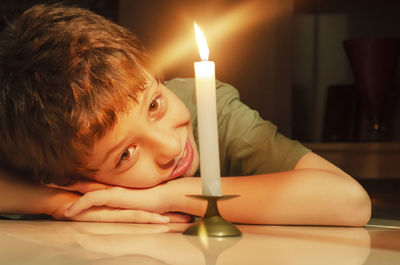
x: 55, y: 242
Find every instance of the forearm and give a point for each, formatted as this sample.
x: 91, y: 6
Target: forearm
x: 301, y: 197
x: 314, y: 193
x: 18, y: 196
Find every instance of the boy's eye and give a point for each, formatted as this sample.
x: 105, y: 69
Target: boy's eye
x: 126, y: 155
x: 154, y: 105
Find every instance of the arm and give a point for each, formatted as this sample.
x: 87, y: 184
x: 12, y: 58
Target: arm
x: 18, y: 196
x: 314, y: 193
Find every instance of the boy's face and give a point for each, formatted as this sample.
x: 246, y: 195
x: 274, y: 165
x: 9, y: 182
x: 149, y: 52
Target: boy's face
x: 151, y: 144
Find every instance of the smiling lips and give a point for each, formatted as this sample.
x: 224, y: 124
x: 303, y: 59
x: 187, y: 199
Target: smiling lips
x: 185, y: 161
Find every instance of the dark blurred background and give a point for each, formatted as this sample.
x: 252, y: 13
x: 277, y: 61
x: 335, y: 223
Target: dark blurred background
x: 287, y: 59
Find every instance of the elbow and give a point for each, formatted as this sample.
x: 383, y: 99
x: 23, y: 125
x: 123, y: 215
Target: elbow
x: 363, y: 212
x: 359, y: 207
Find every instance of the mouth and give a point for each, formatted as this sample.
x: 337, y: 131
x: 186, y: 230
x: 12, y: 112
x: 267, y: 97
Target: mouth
x: 184, y: 162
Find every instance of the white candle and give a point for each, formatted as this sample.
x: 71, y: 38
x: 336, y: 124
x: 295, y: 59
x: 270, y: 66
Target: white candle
x: 207, y: 119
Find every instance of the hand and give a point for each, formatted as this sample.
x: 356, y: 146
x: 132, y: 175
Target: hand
x: 147, y: 200
x: 109, y: 214
x: 61, y: 200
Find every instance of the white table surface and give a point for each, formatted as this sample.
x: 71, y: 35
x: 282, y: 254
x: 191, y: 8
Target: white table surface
x: 56, y: 242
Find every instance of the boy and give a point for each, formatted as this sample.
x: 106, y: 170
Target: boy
x: 82, y: 109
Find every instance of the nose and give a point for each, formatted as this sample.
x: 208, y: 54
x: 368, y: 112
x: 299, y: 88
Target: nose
x: 165, y: 144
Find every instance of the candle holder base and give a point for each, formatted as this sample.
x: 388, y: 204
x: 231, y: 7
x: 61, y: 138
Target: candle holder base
x: 213, y: 224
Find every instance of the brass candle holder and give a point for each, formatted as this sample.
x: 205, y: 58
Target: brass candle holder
x: 212, y: 224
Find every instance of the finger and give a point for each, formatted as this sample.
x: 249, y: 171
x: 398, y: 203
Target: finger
x: 107, y: 214
x: 179, y: 217
x: 111, y: 197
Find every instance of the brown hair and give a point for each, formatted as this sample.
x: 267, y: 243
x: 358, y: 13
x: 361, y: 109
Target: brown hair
x: 65, y: 73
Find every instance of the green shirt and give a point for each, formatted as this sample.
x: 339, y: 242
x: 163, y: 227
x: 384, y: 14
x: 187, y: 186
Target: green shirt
x: 248, y: 144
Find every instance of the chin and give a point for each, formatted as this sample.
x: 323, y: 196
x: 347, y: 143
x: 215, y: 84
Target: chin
x: 193, y: 167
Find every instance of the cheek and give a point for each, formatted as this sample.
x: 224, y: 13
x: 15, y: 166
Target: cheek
x: 177, y: 107
x: 194, y: 166
x: 184, y: 112
x: 137, y: 178
x: 196, y: 156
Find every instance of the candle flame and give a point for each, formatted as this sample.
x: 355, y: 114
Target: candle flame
x: 201, y: 43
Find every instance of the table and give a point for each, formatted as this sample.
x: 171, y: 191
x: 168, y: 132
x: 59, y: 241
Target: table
x: 57, y: 242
